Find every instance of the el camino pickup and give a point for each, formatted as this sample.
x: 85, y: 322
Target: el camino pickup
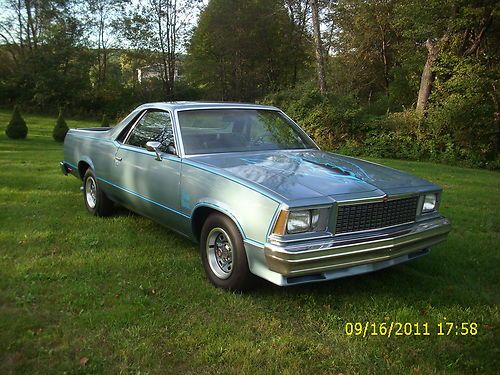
x: 256, y: 193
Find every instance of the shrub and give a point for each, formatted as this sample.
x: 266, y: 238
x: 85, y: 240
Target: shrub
x: 462, y: 111
x: 16, y: 129
x: 61, y: 128
x: 331, y: 120
x: 494, y: 165
x: 105, y: 121
x: 459, y: 129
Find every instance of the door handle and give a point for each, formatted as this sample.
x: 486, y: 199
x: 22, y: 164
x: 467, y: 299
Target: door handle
x: 118, y: 158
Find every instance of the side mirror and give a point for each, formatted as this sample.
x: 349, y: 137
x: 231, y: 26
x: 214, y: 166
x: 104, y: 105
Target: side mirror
x: 153, y: 146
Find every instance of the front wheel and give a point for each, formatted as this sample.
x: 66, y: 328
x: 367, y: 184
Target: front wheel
x: 96, y: 201
x: 223, y: 254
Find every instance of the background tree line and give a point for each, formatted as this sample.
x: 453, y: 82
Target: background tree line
x: 388, y: 78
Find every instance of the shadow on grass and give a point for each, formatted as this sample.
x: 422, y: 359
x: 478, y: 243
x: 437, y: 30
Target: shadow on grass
x: 408, y: 284
x: 429, y: 280
x: 121, y: 211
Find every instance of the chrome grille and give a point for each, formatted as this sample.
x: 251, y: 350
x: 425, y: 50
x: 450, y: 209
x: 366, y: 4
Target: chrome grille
x: 367, y: 216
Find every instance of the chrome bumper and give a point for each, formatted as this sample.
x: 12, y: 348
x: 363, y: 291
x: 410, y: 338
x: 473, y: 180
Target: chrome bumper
x: 321, y: 257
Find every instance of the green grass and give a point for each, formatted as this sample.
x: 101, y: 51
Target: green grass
x: 130, y: 296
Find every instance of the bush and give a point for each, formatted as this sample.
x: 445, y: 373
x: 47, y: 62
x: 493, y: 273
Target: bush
x: 494, y: 165
x: 462, y: 111
x: 330, y: 120
x: 16, y: 129
x: 61, y: 128
x: 457, y: 131
x: 401, y: 135
x: 105, y: 121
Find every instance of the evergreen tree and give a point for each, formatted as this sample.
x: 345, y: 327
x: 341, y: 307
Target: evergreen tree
x: 61, y: 128
x: 16, y: 129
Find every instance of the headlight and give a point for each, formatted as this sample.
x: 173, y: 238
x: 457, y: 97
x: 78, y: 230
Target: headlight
x: 429, y: 203
x: 302, y: 221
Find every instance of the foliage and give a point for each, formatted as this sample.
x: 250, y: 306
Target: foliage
x: 86, y: 55
x: 71, y: 292
x: 101, y: 19
x: 366, y: 44
x: 242, y: 56
x: 159, y: 26
x: 16, y: 129
x: 60, y: 129
x: 463, y: 108
x: 374, y: 77
x: 341, y: 124
x: 331, y: 120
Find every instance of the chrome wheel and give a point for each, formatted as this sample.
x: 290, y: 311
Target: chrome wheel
x: 91, y: 192
x: 220, y: 253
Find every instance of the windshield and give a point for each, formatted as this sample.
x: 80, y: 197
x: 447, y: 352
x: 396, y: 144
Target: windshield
x: 210, y: 131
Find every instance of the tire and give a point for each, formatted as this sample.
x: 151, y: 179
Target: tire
x: 223, y: 254
x: 97, y: 203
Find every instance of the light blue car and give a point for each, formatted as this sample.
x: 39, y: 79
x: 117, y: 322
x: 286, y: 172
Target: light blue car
x: 256, y: 193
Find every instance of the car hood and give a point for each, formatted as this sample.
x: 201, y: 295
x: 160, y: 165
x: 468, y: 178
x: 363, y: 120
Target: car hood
x: 311, y: 173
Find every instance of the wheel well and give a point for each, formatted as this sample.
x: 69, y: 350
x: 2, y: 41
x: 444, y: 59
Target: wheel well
x: 200, y: 215
x: 82, y: 168
x: 198, y: 219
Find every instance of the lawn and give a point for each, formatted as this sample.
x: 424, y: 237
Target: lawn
x: 80, y: 294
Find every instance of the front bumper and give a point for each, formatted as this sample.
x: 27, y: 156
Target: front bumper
x: 331, y: 258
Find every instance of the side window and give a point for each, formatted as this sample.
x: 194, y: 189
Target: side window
x: 123, y: 134
x: 154, y: 126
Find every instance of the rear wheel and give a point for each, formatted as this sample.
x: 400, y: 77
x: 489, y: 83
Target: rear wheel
x: 96, y: 201
x: 223, y: 254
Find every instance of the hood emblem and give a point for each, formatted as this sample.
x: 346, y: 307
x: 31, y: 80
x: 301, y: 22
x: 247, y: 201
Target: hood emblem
x: 385, y: 199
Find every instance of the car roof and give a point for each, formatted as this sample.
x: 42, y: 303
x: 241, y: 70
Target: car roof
x: 202, y: 105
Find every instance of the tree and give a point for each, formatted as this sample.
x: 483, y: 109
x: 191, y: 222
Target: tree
x: 427, y: 77
x: 298, y: 11
x: 26, y: 21
x: 458, y: 27
x: 244, y: 56
x: 320, y: 61
x: 48, y: 64
x: 16, y: 129
x: 364, y: 39
x: 60, y: 129
x: 160, y: 26
x: 101, y: 21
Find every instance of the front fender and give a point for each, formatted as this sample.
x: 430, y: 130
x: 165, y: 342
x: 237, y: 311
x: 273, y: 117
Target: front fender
x: 222, y: 208
x: 251, y: 210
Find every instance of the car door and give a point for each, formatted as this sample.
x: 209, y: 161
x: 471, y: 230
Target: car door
x: 147, y: 185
